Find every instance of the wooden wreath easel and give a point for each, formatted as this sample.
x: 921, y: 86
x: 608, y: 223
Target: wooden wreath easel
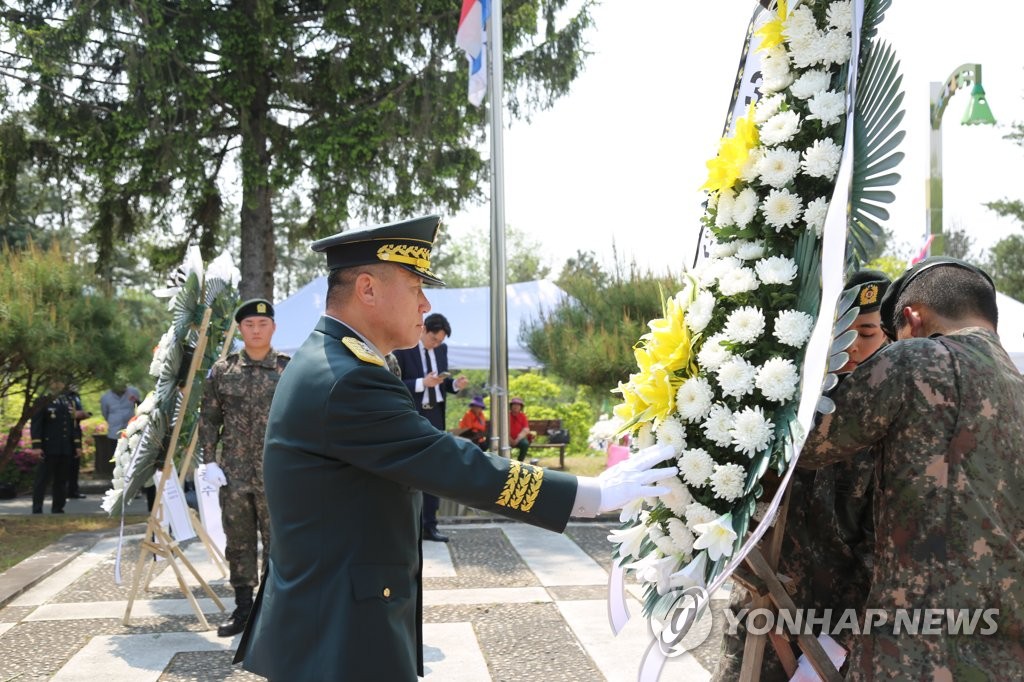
x: 158, y: 542
x: 769, y: 593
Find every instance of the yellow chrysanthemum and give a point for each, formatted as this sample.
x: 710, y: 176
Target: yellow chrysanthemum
x: 771, y: 33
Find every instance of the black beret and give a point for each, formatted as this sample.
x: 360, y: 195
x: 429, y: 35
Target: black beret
x: 254, y: 307
x: 873, y: 285
x: 892, y: 296
x: 406, y: 243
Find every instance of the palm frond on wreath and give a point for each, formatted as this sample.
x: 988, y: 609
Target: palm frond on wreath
x: 877, y: 137
x: 874, y: 12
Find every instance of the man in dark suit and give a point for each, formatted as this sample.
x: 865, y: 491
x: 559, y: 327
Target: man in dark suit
x: 345, y: 455
x: 424, y: 367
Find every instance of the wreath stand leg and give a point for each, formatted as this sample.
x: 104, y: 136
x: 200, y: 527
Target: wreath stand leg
x: 157, y: 542
x: 769, y: 592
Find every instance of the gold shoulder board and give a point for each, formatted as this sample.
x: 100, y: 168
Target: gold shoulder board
x: 362, y: 351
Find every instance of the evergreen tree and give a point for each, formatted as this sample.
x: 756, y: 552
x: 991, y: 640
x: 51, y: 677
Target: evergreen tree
x: 157, y: 108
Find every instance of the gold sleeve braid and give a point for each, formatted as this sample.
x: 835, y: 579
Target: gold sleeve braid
x: 521, y: 487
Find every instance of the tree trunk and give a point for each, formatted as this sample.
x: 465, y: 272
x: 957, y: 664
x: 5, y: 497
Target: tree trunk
x: 259, y: 258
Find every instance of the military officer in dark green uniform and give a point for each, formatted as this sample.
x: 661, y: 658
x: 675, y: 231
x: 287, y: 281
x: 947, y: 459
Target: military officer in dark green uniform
x: 236, y: 401
x: 346, y: 454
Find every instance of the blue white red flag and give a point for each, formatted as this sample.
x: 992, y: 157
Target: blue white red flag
x: 472, y: 38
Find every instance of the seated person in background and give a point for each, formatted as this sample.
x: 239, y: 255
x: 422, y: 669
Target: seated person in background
x: 519, y: 428
x: 473, y: 425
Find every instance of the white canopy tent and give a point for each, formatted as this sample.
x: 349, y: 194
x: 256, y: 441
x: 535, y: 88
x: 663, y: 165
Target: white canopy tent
x: 468, y: 311
x: 1011, y: 327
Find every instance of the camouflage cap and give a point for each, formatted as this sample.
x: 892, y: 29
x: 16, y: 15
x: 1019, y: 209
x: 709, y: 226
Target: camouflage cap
x: 406, y: 243
x: 254, y: 307
x: 892, y: 296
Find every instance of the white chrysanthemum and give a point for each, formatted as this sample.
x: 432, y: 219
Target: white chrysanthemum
x: 750, y: 250
x: 723, y: 249
x: 161, y: 350
x: 654, y: 531
x: 793, y: 327
x: 809, y: 51
x: 775, y: 72
x: 666, y: 545
x: 712, y: 354
x: 671, y: 432
x: 776, y: 270
x: 840, y: 15
x: 697, y: 513
x: 810, y: 84
x: 744, y: 207
x: 828, y: 107
x: 723, y: 218
x: 778, y: 167
x: 836, y: 48
x: 710, y: 270
x: 814, y: 216
x: 780, y: 128
x: 821, y: 159
x: 681, y: 535
x: 696, y: 466
x: 135, y: 425
x: 133, y: 441
x: 699, y: 313
x: 767, y: 107
x: 693, y: 399
x: 737, y: 280
x: 751, y: 431
x: 147, y: 405
x: 728, y: 481
x: 736, y: 377
x: 777, y: 379
x: 744, y: 325
x: 718, y: 425
x: 110, y: 497
x: 748, y: 172
x: 678, y: 497
x: 781, y: 208
x: 800, y: 25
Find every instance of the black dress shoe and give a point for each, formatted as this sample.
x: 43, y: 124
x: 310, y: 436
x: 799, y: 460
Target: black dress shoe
x: 432, y: 534
x: 77, y: 496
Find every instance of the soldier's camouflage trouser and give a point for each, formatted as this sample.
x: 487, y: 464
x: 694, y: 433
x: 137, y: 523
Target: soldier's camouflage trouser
x: 243, y: 513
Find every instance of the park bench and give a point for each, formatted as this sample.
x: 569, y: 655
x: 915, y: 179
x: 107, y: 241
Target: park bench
x: 543, y: 429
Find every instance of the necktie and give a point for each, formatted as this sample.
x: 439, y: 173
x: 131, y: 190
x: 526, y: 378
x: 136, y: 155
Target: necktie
x: 430, y: 368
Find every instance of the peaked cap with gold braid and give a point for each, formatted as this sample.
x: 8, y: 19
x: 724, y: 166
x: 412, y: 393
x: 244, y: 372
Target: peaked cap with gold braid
x: 406, y: 243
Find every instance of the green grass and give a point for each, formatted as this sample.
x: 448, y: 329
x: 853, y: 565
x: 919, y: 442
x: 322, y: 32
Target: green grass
x: 23, y: 536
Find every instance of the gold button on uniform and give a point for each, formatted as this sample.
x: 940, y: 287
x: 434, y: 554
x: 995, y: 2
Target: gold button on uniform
x: 387, y: 592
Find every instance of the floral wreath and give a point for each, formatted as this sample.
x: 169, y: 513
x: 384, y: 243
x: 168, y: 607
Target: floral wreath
x: 144, y: 441
x: 719, y: 373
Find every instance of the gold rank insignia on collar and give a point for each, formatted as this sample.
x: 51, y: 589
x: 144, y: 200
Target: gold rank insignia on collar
x: 868, y: 295
x: 362, y: 351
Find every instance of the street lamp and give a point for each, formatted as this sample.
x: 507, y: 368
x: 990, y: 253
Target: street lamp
x: 977, y: 113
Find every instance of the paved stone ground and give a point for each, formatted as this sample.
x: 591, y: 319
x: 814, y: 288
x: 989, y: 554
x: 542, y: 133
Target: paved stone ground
x: 502, y: 602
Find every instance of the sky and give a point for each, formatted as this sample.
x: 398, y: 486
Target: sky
x: 619, y: 160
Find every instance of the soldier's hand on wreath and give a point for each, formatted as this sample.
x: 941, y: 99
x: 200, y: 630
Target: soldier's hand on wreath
x: 212, y: 474
x: 632, y: 478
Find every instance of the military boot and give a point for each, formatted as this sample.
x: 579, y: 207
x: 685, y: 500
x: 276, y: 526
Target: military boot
x: 243, y: 605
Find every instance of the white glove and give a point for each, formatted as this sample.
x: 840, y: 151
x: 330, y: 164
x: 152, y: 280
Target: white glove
x: 212, y: 474
x: 632, y: 478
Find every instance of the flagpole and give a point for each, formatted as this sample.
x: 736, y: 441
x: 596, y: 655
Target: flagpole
x: 499, y: 338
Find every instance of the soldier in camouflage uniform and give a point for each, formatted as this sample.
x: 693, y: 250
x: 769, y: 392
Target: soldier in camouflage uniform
x: 944, y: 409
x: 236, y: 401
x: 829, y: 534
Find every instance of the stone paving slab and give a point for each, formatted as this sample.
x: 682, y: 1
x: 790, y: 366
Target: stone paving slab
x: 502, y: 601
